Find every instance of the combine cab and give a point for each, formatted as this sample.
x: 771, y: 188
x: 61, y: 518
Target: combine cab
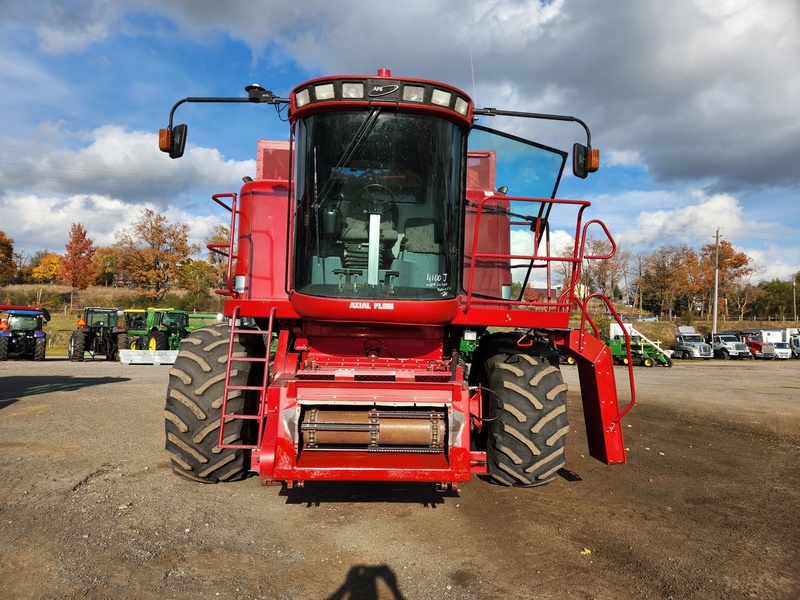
x: 22, y: 332
x: 379, y: 247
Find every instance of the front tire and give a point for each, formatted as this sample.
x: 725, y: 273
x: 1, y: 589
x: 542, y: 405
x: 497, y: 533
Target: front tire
x: 194, y: 405
x: 526, y: 442
x: 157, y: 341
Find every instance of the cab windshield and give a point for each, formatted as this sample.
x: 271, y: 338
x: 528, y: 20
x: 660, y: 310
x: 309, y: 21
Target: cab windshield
x: 377, y: 205
x: 22, y: 322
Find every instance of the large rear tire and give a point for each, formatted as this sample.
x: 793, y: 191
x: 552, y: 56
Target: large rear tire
x: 77, y: 342
x: 40, y: 348
x: 194, y: 405
x: 3, y: 348
x: 526, y: 441
x: 122, y: 344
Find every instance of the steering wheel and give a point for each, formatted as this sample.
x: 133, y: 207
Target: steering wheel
x: 375, y: 197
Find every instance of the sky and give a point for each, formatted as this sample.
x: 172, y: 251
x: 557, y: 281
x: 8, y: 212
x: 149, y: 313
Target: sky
x: 694, y: 104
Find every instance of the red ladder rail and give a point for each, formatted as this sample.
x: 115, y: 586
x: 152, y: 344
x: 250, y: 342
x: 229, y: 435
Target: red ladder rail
x: 226, y: 250
x: 261, y: 388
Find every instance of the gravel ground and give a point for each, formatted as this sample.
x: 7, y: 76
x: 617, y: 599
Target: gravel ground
x: 707, y: 506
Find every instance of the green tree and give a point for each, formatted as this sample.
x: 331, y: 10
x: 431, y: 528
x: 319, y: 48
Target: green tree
x: 152, y: 252
x: 197, y: 278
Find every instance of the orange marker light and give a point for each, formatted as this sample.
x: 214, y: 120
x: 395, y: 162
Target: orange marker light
x: 164, y: 140
x: 593, y: 160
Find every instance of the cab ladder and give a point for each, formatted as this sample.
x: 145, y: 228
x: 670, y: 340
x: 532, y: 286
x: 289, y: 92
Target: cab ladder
x: 259, y: 388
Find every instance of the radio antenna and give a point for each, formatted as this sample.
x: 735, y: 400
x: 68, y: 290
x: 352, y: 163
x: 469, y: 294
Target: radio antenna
x: 472, y: 68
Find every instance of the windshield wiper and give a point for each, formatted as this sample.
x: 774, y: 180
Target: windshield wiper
x: 347, y: 155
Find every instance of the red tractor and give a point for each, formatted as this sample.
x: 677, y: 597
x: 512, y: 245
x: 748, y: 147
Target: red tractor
x: 387, y: 231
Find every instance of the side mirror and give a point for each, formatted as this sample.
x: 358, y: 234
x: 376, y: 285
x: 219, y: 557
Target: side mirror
x: 173, y: 140
x: 584, y: 160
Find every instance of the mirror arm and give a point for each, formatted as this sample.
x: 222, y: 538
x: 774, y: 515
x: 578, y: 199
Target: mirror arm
x: 493, y: 112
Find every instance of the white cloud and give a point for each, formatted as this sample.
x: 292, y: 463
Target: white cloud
x: 113, y: 162
x: 622, y: 158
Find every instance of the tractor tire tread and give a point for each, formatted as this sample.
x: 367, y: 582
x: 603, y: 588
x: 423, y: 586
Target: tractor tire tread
x: 193, y: 409
x: 526, y: 443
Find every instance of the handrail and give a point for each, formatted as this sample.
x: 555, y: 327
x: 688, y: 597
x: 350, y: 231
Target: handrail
x: 216, y: 247
x: 586, y: 317
x: 540, y: 230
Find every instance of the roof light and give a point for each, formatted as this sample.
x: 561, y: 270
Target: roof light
x: 413, y: 93
x: 324, y: 91
x: 352, y: 90
x: 441, y: 97
x: 302, y: 98
x: 462, y: 106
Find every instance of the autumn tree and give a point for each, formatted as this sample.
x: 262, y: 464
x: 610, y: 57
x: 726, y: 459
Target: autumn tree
x: 152, y: 252
x: 7, y: 266
x: 48, y: 268
x: 733, y: 271
x: 105, y: 261
x: 77, y: 268
x: 670, y: 275
x: 220, y: 234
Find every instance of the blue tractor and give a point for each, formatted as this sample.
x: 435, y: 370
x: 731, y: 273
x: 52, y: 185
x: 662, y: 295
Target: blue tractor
x: 22, y: 332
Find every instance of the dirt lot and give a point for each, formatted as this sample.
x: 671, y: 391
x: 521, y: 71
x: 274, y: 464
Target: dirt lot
x: 707, y: 506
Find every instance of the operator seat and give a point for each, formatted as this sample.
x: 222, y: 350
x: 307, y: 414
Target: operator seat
x: 355, y: 234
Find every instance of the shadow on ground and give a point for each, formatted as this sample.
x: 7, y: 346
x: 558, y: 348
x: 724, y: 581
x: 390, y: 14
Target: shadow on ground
x: 15, y: 388
x: 315, y: 493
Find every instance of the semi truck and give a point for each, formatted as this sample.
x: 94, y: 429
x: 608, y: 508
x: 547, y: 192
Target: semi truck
x: 371, y: 244
x: 690, y: 344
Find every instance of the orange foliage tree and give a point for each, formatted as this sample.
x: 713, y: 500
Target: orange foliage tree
x: 152, y: 252
x: 77, y: 269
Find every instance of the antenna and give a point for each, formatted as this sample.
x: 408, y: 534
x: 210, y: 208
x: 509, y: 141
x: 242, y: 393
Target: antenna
x: 472, y: 68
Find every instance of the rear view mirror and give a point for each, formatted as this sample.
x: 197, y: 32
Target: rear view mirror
x: 584, y: 160
x: 173, y: 140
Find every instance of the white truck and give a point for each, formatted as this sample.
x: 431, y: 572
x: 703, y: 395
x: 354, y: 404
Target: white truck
x: 775, y: 343
x: 690, y: 344
x: 727, y: 345
x: 794, y: 344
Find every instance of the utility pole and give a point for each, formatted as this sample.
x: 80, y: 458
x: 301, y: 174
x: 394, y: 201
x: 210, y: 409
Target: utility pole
x: 716, y: 285
x: 794, y: 296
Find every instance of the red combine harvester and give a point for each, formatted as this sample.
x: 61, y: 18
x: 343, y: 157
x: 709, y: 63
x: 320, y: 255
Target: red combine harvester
x: 371, y: 330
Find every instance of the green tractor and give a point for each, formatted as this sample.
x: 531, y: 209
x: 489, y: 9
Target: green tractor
x: 155, y: 328
x: 643, y: 351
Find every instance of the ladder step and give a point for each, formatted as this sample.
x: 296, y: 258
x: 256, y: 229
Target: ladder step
x: 260, y: 417
x: 235, y: 416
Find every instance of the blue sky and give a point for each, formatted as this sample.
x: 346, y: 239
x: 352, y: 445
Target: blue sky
x: 693, y: 103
